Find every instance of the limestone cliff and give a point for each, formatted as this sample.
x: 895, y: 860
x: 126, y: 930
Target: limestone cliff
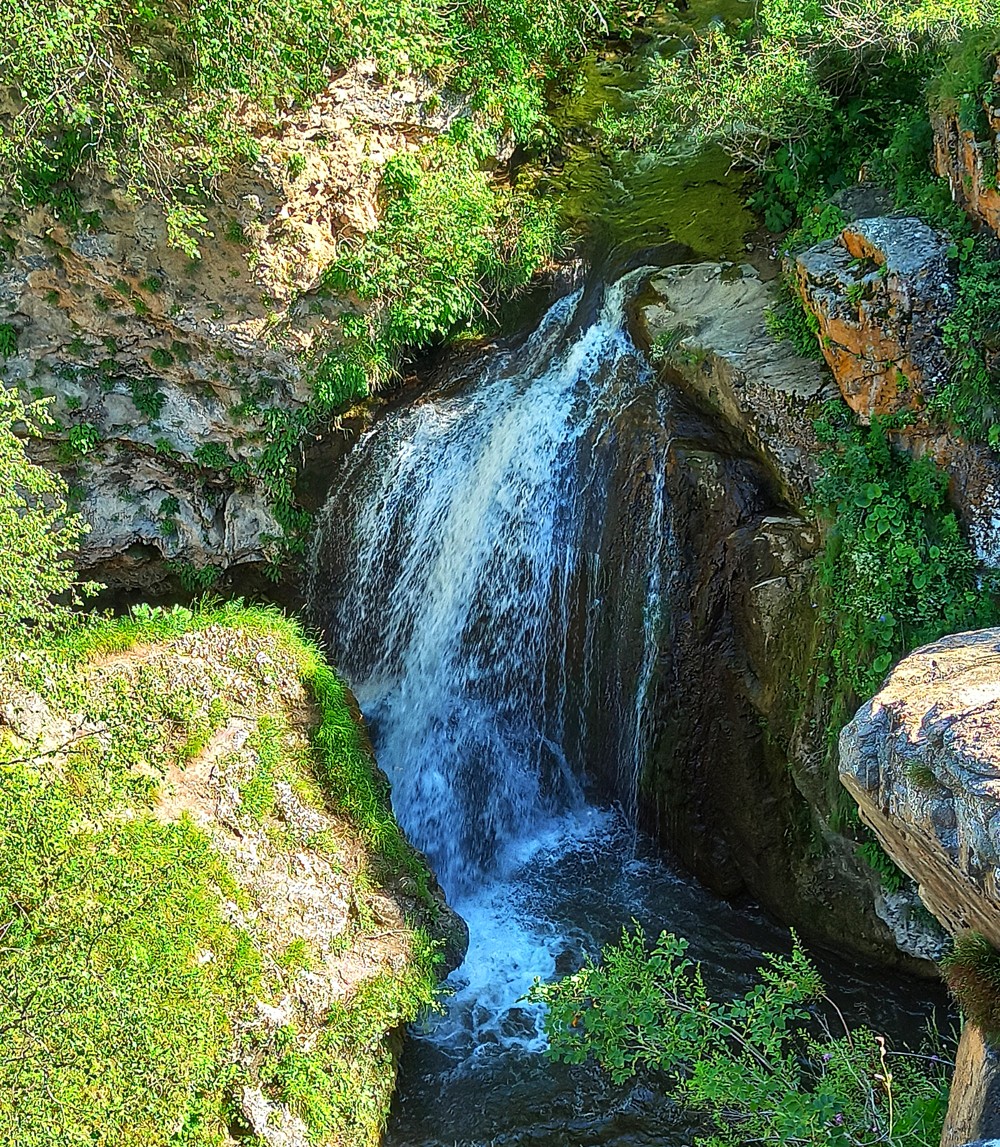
x: 174, y: 377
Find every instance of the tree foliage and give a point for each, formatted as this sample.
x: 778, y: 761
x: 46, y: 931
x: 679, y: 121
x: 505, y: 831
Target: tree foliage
x: 37, y: 531
x: 761, y: 1067
x: 166, y: 97
x: 774, y: 79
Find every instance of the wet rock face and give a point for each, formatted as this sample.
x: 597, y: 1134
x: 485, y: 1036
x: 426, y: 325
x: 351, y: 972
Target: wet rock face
x: 880, y: 293
x: 739, y: 784
x: 922, y: 759
x: 166, y: 370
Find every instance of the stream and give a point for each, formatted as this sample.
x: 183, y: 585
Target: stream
x: 491, y: 570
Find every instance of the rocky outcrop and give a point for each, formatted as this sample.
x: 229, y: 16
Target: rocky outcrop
x: 922, y: 759
x: 224, y: 734
x: 880, y: 293
x: 965, y: 153
x: 740, y: 783
x: 172, y: 376
x: 707, y: 323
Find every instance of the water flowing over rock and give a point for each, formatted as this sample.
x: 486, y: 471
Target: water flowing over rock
x: 494, y: 565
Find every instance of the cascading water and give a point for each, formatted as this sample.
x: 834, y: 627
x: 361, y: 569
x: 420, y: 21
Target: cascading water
x: 468, y: 536
x: 491, y: 570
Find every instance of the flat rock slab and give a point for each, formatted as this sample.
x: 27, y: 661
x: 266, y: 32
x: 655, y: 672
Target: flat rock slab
x: 707, y: 323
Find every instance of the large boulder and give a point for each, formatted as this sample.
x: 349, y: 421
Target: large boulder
x: 880, y: 293
x: 922, y: 759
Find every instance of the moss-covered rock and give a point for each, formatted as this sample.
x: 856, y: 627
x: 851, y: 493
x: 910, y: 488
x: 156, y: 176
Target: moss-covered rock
x: 212, y: 925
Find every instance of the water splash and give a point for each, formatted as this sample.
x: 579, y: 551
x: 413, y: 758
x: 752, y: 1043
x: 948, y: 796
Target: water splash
x: 491, y: 572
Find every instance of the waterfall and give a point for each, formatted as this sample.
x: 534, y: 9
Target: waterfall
x: 490, y: 570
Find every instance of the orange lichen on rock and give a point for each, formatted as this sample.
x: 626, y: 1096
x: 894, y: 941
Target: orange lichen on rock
x: 879, y: 293
x: 968, y: 160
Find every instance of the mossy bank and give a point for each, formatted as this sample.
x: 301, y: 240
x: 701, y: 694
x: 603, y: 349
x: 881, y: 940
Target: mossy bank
x: 212, y: 925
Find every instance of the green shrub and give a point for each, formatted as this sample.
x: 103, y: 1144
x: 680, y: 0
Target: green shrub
x: 755, y: 1066
x: 37, y: 531
x: 161, y: 357
x: 213, y: 455
x: 8, y: 340
x: 788, y: 320
x: 970, y: 400
x: 972, y: 972
x: 194, y: 579
x: 153, y: 97
x: 83, y: 437
x: 146, y: 395
x: 897, y: 571
x: 877, y: 859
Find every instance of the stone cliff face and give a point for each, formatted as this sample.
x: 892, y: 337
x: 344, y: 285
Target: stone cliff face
x: 965, y: 153
x: 880, y: 294
x: 171, y: 374
x: 741, y: 783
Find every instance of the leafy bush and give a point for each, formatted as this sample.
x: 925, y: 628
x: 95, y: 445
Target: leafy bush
x: 897, y: 571
x: 147, y: 397
x: 155, y: 96
x: 37, y: 531
x: 83, y: 437
x: 970, y: 400
x: 775, y: 80
x: 789, y: 321
x: 972, y: 972
x: 763, y: 1067
x: 450, y: 239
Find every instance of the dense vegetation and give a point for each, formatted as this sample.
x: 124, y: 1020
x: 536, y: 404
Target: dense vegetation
x: 157, y: 95
x: 114, y: 1026
x: 763, y: 1068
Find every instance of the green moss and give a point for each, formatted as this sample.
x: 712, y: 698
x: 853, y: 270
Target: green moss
x: 972, y: 973
x: 124, y: 979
